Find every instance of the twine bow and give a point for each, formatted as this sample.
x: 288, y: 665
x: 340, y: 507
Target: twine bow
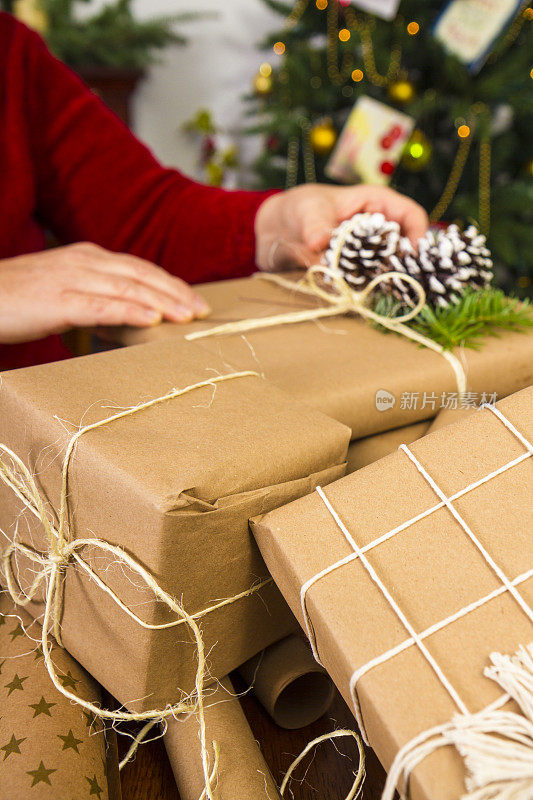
x: 341, y: 300
x: 64, y: 551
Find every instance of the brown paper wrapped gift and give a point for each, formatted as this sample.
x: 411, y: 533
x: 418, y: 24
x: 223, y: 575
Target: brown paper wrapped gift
x: 174, y: 485
x: 49, y: 748
x: 338, y: 365
x: 431, y: 568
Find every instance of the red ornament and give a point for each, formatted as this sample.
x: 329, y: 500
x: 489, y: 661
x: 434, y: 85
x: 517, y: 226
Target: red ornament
x: 391, y: 137
x: 208, y: 149
x: 273, y: 143
x: 396, y: 132
x: 387, y: 167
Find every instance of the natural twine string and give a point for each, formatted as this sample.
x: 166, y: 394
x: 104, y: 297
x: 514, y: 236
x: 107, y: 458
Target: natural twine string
x: 63, y: 551
x: 357, y: 785
x: 341, y: 300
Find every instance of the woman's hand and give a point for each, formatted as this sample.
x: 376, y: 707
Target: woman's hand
x: 83, y: 285
x: 294, y: 228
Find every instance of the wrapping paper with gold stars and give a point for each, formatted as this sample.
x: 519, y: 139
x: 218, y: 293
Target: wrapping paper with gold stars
x: 49, y: 747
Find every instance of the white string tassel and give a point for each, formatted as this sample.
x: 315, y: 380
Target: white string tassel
x: 515, y: 675
x: 497, y: 746
x: 500, y: 748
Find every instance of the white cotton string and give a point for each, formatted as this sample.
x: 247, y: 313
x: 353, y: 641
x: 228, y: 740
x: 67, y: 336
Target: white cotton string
x: 515, y: 675
x: 469, y: 532
x: 417, y: 639
x: 396, y: 608
x: 497, y: 746
x: 438, y: 626
x: 384, y: 538
x: 508, y: 424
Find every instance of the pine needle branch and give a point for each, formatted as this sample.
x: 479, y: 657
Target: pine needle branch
x: 477, y: 315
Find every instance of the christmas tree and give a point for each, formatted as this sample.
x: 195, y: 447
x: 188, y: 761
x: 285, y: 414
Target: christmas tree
x: 111, y: 36
x: 469, y: 157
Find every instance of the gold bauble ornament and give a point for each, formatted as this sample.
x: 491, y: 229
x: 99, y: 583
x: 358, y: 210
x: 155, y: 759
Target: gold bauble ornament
x: 215, y: 173
x: 32, y: 14
x: 528, y: 168
x: 322, y: 137
x: 418, y: 151
x: 401, y: 92
x: 262, y: 84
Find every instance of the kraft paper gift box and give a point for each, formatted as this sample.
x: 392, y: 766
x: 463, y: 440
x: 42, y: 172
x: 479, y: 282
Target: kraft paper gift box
x: 431, y: 568
x: 342, y: 366
x: 50, y: 749
x: 174, y: 485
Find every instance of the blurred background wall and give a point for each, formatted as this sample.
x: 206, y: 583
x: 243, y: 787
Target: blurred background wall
x: 210, y: 71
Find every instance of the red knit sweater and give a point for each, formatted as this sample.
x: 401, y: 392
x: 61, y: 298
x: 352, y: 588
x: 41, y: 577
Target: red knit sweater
x: 69, y: 165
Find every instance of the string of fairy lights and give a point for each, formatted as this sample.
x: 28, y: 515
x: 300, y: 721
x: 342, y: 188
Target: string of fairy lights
x: 356, y: 65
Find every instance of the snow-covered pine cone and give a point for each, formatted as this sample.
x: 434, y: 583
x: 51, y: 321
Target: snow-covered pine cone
x: 452, y: 260
x: 367, y: 251
x: 447, y: 262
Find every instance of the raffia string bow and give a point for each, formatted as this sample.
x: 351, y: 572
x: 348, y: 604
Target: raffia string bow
x: 341, y: 299
x: 64, y: 551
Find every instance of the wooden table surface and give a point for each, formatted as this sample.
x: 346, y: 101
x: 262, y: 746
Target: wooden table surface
x: 326, y: 775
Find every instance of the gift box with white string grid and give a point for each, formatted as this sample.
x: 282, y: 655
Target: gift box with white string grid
x: 407, y: 576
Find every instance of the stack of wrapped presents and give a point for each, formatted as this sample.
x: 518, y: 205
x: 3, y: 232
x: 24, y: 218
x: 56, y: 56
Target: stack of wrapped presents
x: 172, y: 508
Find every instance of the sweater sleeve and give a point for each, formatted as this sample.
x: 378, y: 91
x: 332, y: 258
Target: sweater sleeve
x: 96, y: 182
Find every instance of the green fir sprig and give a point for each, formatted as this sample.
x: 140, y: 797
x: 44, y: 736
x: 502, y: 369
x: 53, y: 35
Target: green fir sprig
x: 478, y: 314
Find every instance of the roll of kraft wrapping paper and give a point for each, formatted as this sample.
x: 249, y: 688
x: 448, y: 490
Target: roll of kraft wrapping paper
x: 365, y: 451
x: 448, y: 416
x: 242, y: 771
x: 50, y: 748
x: 290, y: 684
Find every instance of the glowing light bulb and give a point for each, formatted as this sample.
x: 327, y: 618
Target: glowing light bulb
x: 416, y: 150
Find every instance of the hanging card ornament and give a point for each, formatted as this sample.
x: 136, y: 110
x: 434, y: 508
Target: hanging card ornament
x: 386, y: 9
x: 469, y: 28
x: 371, y: 143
